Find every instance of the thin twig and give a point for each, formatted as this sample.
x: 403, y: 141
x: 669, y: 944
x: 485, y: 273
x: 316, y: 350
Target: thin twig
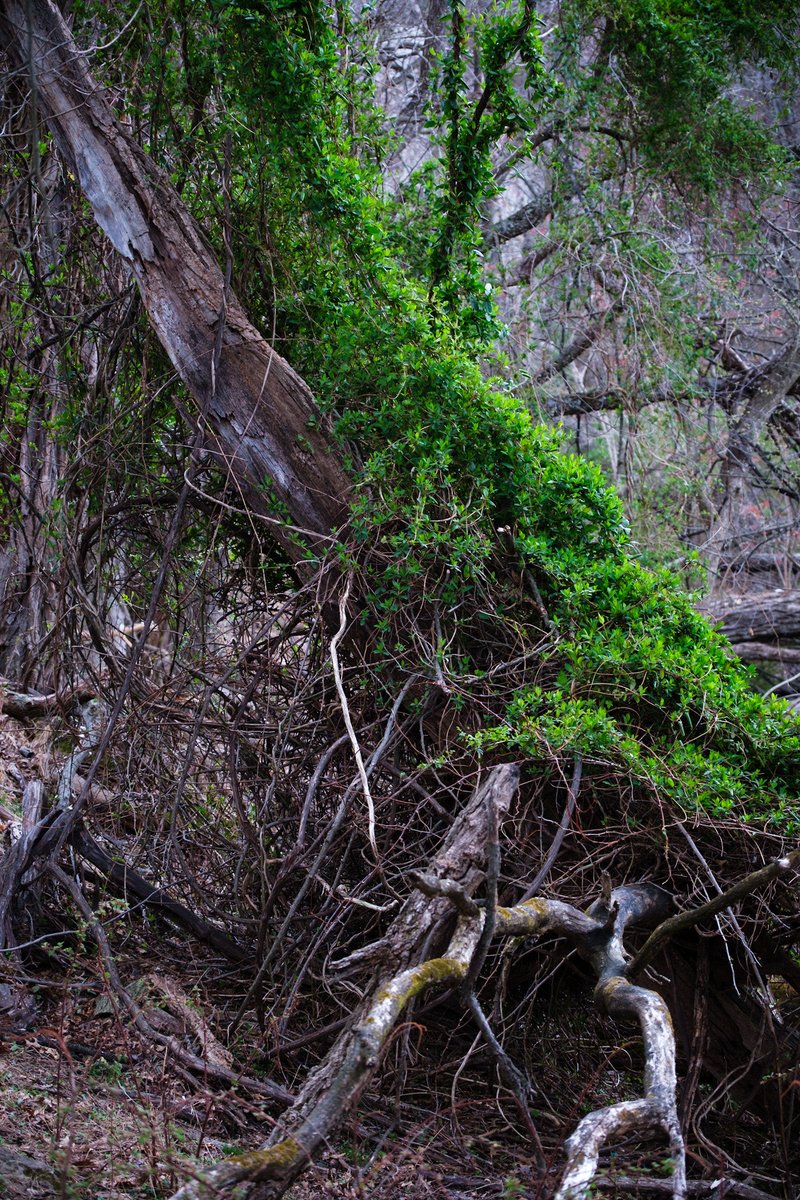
x: 516, y: 1080
x: 337, y: 675
x: 561, y: 832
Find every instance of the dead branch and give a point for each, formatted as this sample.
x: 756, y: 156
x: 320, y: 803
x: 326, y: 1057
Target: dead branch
x: 429, y: 885
x: 133, y: 884
x: 756, y: 616
x: 212, y: 1071
x: 687, y: 920
x: 561, y: 832
x: 759, y: 651
x: 334, y: 1085
x: 14, y: 999
x: 598, y: 936
x: 24, y: 706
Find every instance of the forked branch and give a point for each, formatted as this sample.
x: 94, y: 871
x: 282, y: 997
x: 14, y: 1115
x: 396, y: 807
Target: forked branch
x: 695, y: 916
x: 598, y: 937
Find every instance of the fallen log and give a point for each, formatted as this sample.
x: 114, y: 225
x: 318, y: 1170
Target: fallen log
x: 757, y: 616
x: 335, y: 1085
x: 766, y: 652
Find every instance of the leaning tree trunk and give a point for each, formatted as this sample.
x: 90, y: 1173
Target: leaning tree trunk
x: 259, y: 414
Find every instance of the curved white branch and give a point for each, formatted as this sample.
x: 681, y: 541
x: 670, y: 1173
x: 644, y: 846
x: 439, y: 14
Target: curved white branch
x: 337, y: 675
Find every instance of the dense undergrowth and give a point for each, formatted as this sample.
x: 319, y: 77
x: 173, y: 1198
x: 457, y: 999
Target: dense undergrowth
x: 467, y: 515
x: 503, y: 612
x: 458, y: 489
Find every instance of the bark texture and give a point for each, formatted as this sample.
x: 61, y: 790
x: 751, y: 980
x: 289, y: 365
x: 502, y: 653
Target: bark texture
x: 758, y: 617
x: 259, y: 413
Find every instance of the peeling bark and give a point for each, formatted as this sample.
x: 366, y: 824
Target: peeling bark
x: 261, y: 416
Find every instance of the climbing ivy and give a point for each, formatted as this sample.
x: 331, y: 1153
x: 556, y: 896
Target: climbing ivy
x: 467, y: 513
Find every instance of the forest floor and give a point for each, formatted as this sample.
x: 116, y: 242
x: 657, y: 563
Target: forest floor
x: 90, y: 1110
x: 102, y: 1129
x: 86, y: 1109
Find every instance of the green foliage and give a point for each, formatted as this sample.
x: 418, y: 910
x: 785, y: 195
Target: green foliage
x: 663, y: 69
x: 644, y: 686
x: 458, y: 487
x: 514, y: 93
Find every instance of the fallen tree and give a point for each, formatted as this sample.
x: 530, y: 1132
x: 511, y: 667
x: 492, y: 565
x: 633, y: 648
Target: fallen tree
x: 758, y: 616
x: 504, y: 625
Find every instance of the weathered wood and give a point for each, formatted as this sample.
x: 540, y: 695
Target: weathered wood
x: 766, y: 652
x: 772, y: 384
x: 261, y: 417
x: 15, y: 999
x: 598, y: 936
x: 460, y: 859
x: 130, y: 883
x: 23, y: 706
x: 333, y: 1087
x: 757, y: 616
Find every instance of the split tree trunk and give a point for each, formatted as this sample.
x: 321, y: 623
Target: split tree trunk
x: 260, y: 414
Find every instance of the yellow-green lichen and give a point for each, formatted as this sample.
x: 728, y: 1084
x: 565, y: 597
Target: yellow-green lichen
x: 520, y: 912
x: 278, y: 1157
x: 433, y: 970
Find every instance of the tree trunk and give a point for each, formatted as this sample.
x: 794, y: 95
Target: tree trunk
x: 31, y: 458
x: 261, y: 416
x: 776, y: 380
x: 763, y: 616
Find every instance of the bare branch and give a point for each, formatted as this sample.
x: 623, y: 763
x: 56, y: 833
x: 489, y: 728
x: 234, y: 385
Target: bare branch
x: 598, y: 937
x: 687, y: 920
x: 429, y: 885
x: 561, y: 832
x: 523, y: 220
x: 24, y: 706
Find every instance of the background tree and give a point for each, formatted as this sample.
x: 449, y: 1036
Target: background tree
x: 646, y: 281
